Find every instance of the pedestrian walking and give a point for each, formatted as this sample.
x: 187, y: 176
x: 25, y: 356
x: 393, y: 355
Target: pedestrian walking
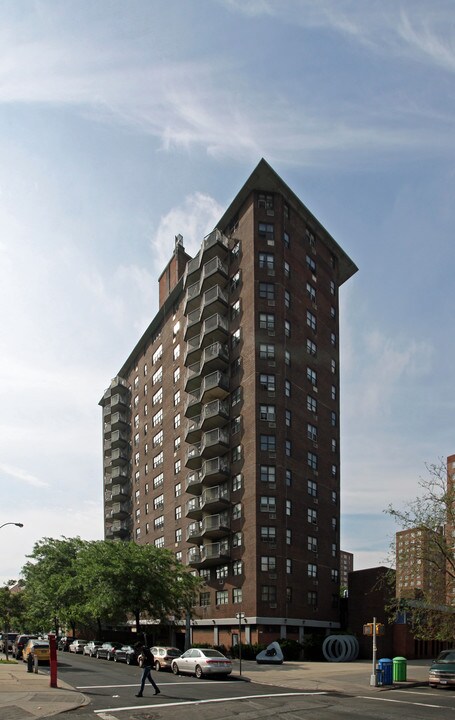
x: 147, y: 664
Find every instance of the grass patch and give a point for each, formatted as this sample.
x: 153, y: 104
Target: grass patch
x: 8, y: 662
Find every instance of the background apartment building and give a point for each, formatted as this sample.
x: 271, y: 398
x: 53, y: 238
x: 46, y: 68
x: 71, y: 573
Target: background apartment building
x: 221, y: 430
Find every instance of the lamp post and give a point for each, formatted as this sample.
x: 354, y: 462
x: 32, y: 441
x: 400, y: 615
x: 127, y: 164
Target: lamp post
x: 12, y: 523
x: 240, y: 616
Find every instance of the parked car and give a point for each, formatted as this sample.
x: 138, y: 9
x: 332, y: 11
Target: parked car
x: 11, y: 638
x: 36, y: 648
x: 91, y: 648
x: 64, y: 643
x: 77, y: 646
x: 19, y: 643
x: 442, y: 670
x: 128, y: 654
x: 202, y: 661
x: 164, y: 656
x: 107, y: 650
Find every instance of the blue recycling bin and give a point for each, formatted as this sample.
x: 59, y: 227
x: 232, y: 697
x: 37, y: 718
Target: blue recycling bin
x: 386, y: 666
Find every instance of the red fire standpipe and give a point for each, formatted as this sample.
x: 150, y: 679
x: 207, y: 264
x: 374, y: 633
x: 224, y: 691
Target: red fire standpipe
x: 53, y: 660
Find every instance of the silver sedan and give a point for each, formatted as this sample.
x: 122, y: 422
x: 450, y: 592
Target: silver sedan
x: 202, y: 661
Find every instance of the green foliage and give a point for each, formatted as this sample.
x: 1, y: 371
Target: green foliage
x: 12, y: 608
x: 292, y: 649
x: 249, y: 651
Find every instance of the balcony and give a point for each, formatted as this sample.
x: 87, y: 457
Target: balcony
x: 107, y: 496
x: 119, y: 439
x: 119, y: 402
x: 192, y: 297
x: 193, y: 430
x: 214, y: 471
x: 107, y: 410
x: 119, y: 420
x: 120, y: 456
x: 214, y: 442
x: 193, y: 350
x: 193, y: 324
x: 193, y: 377
x: 119, y: 475
x: 216, y: 526
x: 214, y: 272
x: 214, y: 329
x: 214, y: 244
x: 193, y: 457
x: 118, y: 384
x: 193, y: 508
x: 193, y: 404
x: 119, y: 493
x: 214, y: 387
x: 214, y: 414
x: 120, y: 510
x: 215, y: 498
x: 193, y: 483
x: 194, y: 532
x: 210, y: 554
x: 120, y: 528
x: 192, y: 270
x: 214, y: 301
x: 214, y: 357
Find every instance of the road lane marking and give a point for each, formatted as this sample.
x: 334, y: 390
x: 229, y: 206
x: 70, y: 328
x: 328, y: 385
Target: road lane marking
x: 136, y: 684
x: 205, y: 702
x: 400, y: 702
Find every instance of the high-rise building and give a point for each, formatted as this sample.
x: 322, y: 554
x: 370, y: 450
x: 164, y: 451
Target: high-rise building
x: 221, y: 429
x: 346, y: 566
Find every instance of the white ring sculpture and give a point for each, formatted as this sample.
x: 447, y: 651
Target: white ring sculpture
x: 340, y: 648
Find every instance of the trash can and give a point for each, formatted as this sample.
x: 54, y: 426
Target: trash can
x: 386, y: 665
x: 399, y: 669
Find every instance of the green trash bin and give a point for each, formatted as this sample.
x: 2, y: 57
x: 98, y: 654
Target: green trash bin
x: 399, y: 669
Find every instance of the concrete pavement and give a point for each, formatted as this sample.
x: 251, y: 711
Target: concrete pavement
x: 25, y: 696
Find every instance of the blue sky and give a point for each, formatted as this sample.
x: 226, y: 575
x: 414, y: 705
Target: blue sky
x: 125, y: 123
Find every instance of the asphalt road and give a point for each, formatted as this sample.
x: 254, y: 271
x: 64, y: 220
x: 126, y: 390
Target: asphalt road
x: 111, y: 688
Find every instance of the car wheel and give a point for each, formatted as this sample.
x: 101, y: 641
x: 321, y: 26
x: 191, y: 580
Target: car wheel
x: 115, y: 658
x: 433, y: 685
x: 157, y: 665
x: 198, y: 671
x: 175, y: 668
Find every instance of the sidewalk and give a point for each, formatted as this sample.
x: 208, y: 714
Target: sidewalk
x: 24, y: 696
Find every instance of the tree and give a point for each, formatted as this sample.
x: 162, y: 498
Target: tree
x: 425, y: 557
x: 53, y: 591
x: 124, y: 577
x: 12, y: 608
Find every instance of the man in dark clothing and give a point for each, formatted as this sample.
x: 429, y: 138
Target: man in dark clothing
x: 147, y: 664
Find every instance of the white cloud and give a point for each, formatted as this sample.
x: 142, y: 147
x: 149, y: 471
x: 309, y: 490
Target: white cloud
x: 19, y: 474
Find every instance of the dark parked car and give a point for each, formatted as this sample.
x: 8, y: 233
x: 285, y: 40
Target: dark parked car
x: 64, y: 643
x: 128, y: 654
x: 19, y: 643
x: 107, y: 650
x: 442, y: 670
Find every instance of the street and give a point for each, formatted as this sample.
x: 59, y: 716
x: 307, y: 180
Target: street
x: 111, y: 688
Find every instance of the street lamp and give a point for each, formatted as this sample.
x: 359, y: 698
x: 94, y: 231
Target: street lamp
x: 12, y: 523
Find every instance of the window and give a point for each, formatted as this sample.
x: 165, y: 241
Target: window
x: 287, y: 270
x: 334, y: 392
x: 136, y: 458
x: 334, y: 523
x: 334, y: 496
x: 268, y: 443
x: 235, y: 337
x: 286, y: 211
x: 334, y: 575
x: 177, y: 421
x: 235, y: 366
x: 268, y: 593
x: 267, y: 504
x: 157, y: 376
x: 268, y: 534
x: 136, y: 401
x: 158, y: 438
x: 237, y: 567
x: 157, y: 418
x: 236, y: 424
x: 288, y: 448
x: 288, y: 418
x: 312, y: 376
x: 267, y: 382
x: 287, y: 357
x: 176, y: 375
x: 176, y: 352
x: 288, y: 566
x: 136, y: 421
x: 158, y: 397
x: 268, y: 473
x: 158, y: 480
x: 237, y: 595
x: 237, y: 539
x: 178, y: 535
x: 222, y: 597
x: 288, y: 477
x: 268, y: 563
x: 286, y: 240
x: 311, y: 347
x: 312, y: 544
x: 288, y: 536
x: 312, y: 570
x: 334, y: 550
x: 333, y: 418
x: 333, y: 339
x: 136, y: 439
x: 177, y: 467
x: 235, y: 309
x: 235, y: 251
x: 158, y: 459
x: 267, y: 261
x: 235, y: 281
x: 176, y: 397
x: 332, y: 287
x: 177, y: 442
x: 287, y: 328
x: 311, y: 292
x: 178, y: 489
x: 333, y: 312
x: 267, y: 291
x: 267, y: 412
x: 288, y: 594
x: 266, y: 230
x: 158, y: 522
x: 204, y: 599
x: 222, y: 571
x: 237, y: 482
x: 157, y: 354
x: 265, y: 201
x: 267, y: 321
x: 178, y: 512
x: 311, y: 404
x: 287, y: 388
x: 311, y: 320
x: 333, y: 367
x: 312, y: 460
x: 311, y: 264
x: 312, y: 516
x: 236, y: 453
x: 310, y: 237
x: 333, y: 470
x: 312, y: 432
x: 266, y: 352
x: 312, y: 598
x: 312, y: 488
x: 289, y: 507
x: 287, y: 299
x: 236, y: 396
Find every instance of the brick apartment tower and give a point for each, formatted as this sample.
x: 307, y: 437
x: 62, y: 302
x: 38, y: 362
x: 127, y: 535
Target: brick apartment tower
x: 221, y: 430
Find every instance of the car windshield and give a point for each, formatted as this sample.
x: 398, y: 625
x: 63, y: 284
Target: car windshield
x: 40, y: 645
x: 448, y: 656
x: 212, y: 653
x: 173, y: 652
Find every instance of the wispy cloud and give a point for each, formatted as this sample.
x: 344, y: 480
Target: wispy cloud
x: 22, y: 475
